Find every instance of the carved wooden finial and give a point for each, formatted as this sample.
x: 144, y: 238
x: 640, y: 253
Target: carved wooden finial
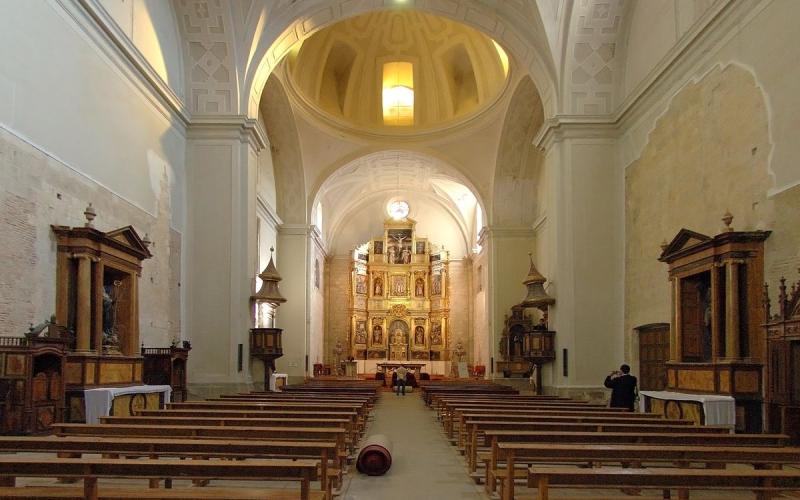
x: 146, y: 241
x: 90, y: 214
x: 664, y: 245
x: 727, y: 219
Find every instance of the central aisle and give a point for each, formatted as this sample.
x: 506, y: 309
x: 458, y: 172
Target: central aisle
x: 424, y: 465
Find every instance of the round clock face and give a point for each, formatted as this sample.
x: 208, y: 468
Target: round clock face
x: 398, y: 209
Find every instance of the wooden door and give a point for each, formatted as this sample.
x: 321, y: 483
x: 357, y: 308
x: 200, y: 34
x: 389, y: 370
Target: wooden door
x: 653, y: 356
x: 691, y: 321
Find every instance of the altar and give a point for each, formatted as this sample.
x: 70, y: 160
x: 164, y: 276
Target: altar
x: 703, y: 409
x: 124, y: 401
x: 415, y: 367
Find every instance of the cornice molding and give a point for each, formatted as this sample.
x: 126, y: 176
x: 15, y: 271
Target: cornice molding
x: 229, y: 127
x: 294, y: 230
x: 265, y: 210
x: 489, y: 232
x: 93, y: 18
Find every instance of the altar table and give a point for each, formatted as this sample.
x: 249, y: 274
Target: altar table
x: 718, y: 409
x: 415, y: 367
x: 98, y: 401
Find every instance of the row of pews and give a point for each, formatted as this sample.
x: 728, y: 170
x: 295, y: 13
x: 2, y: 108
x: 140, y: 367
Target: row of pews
x: 304, y: 435
x: 543, y: 442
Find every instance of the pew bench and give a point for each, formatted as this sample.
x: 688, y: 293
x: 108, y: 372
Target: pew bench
x: 765, y: 483
x: 89, y: 470
x: 591, y: 455
x: 122, y: 493
x: 477, y: 428
x: 114, y: 447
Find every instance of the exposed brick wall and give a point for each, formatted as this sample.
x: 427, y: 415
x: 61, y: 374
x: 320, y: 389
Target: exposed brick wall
x: 37, y: 191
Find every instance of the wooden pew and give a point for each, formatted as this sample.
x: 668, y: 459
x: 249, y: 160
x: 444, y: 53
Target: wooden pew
x: 496, y: 437
x: 591, y: 454
x: 91, y: 469
x: 236, y: 422
x: 76, y: 446
x: 210, y: 432
x: 451, y: 424
x: 565, y: 425
x: 764, y: 482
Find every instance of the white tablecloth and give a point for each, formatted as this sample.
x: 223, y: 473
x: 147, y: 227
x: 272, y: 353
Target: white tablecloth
x: 98, y: 401
x: 719, y: 409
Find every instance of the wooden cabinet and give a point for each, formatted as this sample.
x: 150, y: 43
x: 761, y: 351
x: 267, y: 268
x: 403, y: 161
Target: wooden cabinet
x: 167, y: 366
x: 31, y: 384
x: 717, y: 343
x: 783, y: 366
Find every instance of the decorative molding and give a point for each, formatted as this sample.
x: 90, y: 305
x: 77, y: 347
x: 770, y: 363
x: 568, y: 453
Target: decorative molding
x: 209, y: 59
x: 506, y: 232
x: 95, y: 21
x: 316, y: 237
x: 229, y: 127
x: 267, y: 213
x: 294, y: 230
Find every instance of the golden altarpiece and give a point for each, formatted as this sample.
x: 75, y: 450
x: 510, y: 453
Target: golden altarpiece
x: 717, y: 341
x: 399, y: 297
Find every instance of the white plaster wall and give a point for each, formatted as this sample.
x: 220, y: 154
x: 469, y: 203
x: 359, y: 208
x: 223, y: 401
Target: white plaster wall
x: 655, y: 26
x: 481, y: 341
x: 79, y: 108
x: 292, y: 264
x: 151, y: 26
x: 316, y: 348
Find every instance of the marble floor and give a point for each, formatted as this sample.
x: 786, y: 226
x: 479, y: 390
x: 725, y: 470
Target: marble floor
x: 424, y: 465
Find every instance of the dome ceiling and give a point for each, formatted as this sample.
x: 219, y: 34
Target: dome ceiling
x: 344, y: 71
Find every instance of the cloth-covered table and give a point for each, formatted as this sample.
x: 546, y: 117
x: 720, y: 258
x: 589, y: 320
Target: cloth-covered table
x: 98, y: 401
x: 718, y: 409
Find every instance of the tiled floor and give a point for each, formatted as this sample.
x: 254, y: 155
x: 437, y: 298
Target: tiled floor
x: 424, y: 465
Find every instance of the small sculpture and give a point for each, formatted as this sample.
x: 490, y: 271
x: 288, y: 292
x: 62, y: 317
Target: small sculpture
x: 90, y: 214
x: 338, y: 350
x: 459, y: 352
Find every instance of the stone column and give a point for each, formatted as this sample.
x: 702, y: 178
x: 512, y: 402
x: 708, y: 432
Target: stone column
x: 221, y: 263
x: 84, y: 312
x: 732, y: 326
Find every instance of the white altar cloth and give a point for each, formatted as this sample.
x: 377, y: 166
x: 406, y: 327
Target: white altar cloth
x: 98, y: 401
x: 719, y: 409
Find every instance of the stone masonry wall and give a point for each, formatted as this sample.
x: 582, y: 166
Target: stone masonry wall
x: 37, y: 191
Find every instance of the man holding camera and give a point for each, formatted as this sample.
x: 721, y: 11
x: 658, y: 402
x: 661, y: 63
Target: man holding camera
x: 623, y: 387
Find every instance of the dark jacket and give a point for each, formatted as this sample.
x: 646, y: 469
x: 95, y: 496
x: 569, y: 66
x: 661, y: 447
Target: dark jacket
x: 623, y: 390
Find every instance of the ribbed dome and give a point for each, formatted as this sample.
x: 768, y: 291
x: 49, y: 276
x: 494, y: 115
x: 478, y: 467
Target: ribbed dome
x: 341, y: 69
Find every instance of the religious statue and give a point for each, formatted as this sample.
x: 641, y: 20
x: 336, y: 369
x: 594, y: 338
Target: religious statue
x: 378, y: 288
x: 392, y: 254
x: 338, y: 350
x: 361, y: 332
x: 459, y: 352
x: 405, y: 255
x: 436, y: 289
x: 110, y: 303
x: 398, y: 337
x: 399, y: 285
x: 419, y: 288
x: 377, y: 335
x: 419, y: 335
x: 436, y: 333
x: 361, y: 284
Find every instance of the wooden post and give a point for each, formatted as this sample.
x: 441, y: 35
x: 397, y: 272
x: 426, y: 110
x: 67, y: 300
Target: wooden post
x: 508, y: 491
x: 90, y: 488
x: 675, y: 351
x: 732, y: 326
x: 84, y: 316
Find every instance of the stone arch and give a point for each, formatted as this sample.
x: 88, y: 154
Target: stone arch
x: 287, y: 159
x: 511, y: 26
x: 518, y: 164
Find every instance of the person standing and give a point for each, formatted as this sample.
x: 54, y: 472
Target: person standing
x: 623, y: 387
x: 401, y: 379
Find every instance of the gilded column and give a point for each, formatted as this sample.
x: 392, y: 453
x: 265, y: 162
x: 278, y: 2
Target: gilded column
x: 732, y: 326
x: 84, y: 305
